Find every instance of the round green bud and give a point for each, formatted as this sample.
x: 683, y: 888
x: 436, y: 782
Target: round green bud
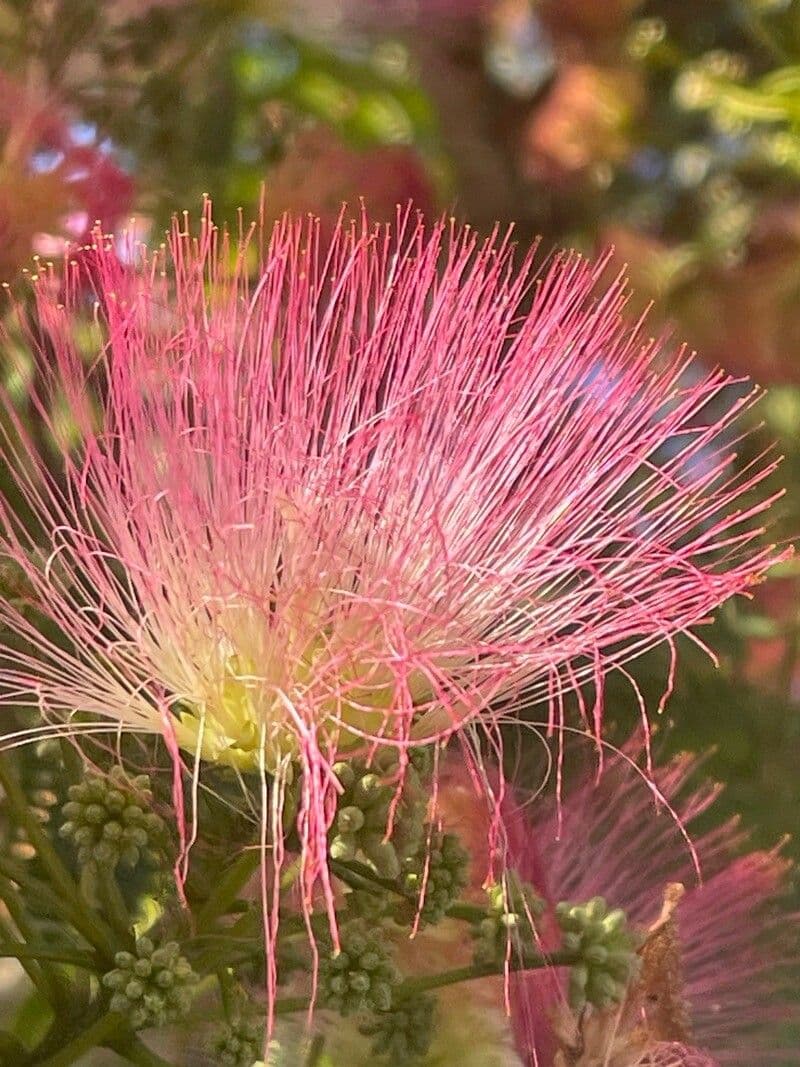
x: 350, y: 820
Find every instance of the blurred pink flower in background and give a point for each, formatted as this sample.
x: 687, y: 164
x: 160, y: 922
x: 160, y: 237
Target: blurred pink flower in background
x: 57, y: 179
x: 718, y: 996
x: 613, y: 839
x: 320, y: 173
x: 584, y: 120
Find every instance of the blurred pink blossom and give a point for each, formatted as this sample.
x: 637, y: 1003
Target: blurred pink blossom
x: 57, y: 179
x: 617, y: 840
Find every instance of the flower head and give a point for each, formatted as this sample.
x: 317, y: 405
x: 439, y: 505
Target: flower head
x: 320, y: 172
x: 57, y: 179
x: 364, y: 498
x: 714, y: 975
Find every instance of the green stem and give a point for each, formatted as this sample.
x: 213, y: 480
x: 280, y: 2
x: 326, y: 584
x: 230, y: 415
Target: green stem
x: 114, y: 904
x: 41, y: 977
x: 361, y: 870
x: 355, y: 880
x: 422, y: 984
x: 75, y: 912
x: 135, y: 1050
x: 227, y: 991
x: 97, y: 1034
x: 60, y: 878
x: 468, y: 913
x: 359, y: 876
x: 315, y: 1051
x: 412, y: 986
x: 229, y: 888
x: 18, y: 951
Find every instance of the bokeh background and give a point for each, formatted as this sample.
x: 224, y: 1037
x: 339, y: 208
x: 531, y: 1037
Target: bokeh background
x: 666, y: 129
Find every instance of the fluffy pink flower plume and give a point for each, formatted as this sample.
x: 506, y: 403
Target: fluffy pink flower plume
x: 369, y: 495
x: 613, y: 839
x: 58, y: 178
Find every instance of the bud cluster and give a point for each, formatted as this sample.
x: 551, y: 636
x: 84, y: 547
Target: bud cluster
x: 239, y: 1043
x: 370, y: 792
x: 108, y: 820
x: 361, y: 977
x: 433, y: 879
x: 41, y: 775
x: 607, y: 950
x: 44, y: 778
x: 152, y: 987
x: 371, y: 907
x: 403, y: 1034
x: 513, y: 908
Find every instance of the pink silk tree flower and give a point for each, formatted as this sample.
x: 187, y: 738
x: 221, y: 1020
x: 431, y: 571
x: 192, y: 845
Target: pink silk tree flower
x: 366, y: 496
x: 58, y: 179
x: 727, y: 990
x: 675, y: 1054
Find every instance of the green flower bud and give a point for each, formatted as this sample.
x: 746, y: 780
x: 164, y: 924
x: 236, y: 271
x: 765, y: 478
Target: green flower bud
x: 514, y: 907
x: 360, y: 977
x: 239, y: 1043
x: 433, y: 880
x: 107, y: 822
x: 381, y: 997
x: 368, y: 905
x: 345, y: 773
x: 403, y: 1035
x: 343, y: 847
x: 382, y: 855
x: 359, y: 981
x: 368, y: 801
x: 115, y: 801
x: 350, y: 820
x: 607, y: 951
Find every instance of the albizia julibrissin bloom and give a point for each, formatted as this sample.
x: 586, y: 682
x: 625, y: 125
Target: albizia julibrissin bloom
x: 368, y: 495
x: 58, y: 178
x: 719, y: 981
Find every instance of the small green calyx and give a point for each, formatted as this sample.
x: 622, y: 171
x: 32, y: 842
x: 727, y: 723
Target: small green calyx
x: 108, y: 821
x: 152, y: 987
x: 360, y: 978
x: 513, y: 908
x: 433, y: 879
x: 404, y: 1034
x: 607, y: 950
